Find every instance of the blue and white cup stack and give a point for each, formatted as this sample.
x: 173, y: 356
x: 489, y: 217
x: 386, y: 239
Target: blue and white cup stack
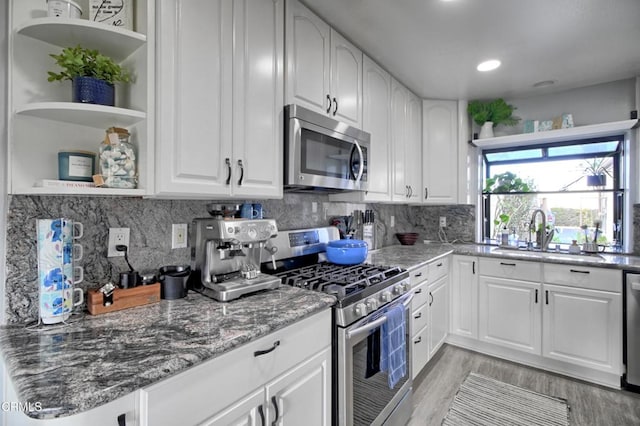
x: 57, y: 273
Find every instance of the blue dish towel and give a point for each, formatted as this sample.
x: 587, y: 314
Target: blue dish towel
x: 393, y: 352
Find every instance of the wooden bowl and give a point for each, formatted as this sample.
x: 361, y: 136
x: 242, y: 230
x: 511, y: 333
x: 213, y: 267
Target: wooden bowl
x: 407, y: 238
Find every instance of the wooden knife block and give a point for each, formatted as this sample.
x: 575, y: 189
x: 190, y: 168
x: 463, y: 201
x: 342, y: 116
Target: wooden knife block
x: 123, y: 298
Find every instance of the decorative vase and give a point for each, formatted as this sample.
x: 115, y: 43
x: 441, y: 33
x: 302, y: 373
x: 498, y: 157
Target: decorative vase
x: 486, y: 131
x: 91, y: 90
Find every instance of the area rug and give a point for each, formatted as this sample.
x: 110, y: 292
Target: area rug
x: 482, y: 401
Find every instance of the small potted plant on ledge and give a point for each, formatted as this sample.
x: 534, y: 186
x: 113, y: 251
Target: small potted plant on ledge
x: 491, y: 114
x: 92, y: 75
x: 596, y: 170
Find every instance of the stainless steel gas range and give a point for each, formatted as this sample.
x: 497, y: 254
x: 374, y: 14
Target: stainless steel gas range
x: 361, y: 392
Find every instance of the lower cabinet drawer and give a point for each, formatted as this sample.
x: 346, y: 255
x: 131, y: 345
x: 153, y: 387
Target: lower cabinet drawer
x: 420, y: 317
x: 419, y: 351
x: 438, y: 268
x: 509, y: 268
x: 420, y: 296
x: 584, y: 277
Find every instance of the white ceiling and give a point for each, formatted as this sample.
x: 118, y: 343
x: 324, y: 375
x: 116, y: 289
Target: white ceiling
x: 434, y: 46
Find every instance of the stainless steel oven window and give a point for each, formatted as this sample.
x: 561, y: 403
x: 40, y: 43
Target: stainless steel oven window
x: 366, y: 399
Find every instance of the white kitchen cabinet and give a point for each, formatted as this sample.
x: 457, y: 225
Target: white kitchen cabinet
x: 510, y: 314
x: 438, y: 314
x: 376, y: 120
x: 242, y: 386
x: 440, y: 152
x: 464, y: 296
x: 406, y: 136
x: 220, y: 101
x: 430, y: 311
x: 324, y: 70
x: 419, y: 318
x: 42, y: 121
x: 413, y: 149
x: 583, y: 327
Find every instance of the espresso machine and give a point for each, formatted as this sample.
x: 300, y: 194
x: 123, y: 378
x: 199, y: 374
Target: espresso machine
x: 226, y: 254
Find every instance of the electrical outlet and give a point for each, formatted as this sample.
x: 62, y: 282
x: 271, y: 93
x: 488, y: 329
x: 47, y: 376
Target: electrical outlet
x: 117, y: 236
x: 178, y: 235
x: 443, y: 221
x: 392, y: 221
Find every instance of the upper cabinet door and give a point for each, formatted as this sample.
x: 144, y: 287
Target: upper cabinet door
x: 399, y: 97
x: 258, y: 98
x: 346, y: 81
x: 413, y: 150
x: 440, y: 152
x: 376, y: 97
x: 194, y: 81
x: 308, y: 59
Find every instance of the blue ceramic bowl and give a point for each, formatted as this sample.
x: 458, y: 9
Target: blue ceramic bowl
x: 347, y: 252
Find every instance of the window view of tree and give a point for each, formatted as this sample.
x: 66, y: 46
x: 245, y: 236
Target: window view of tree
x: 576, y: 186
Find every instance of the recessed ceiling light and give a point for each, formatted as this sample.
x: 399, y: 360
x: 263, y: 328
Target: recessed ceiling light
x: 489, y: 65
x: 544, y: 83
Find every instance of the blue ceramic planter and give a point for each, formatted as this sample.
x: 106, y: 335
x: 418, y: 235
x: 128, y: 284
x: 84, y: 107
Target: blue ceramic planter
x: 90, y: 90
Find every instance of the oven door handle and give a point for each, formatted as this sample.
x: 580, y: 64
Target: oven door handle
x: 375, y: 323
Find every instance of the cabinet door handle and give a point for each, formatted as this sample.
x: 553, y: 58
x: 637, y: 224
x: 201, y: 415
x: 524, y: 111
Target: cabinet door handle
x: 274, y: 401
x: 227, y: 161
x: 426, y: 193
x: 431, y: 296
x: 536, y: 295
x: 329, y: 107
x: 507, y: 264
x: 241, y: 172
x: 577, y: 271
x: 418, y: 340
x: 266, y: 351
x: 261, y: 412
x: 335, y: 101
x: 546, y: 297
x: 410, y: 191
x: 122, y: 420
x: 418, y: 316
x: 473, y: 270
x: 439, y: 264
x: 418, y: 291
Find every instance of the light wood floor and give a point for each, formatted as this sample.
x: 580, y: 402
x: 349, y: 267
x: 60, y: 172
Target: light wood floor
x: 435, y: 387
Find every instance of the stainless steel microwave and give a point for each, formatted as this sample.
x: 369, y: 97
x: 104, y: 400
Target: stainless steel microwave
x: 322, y: 154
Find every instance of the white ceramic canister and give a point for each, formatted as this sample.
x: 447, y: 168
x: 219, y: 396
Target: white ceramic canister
x: 63, y: 9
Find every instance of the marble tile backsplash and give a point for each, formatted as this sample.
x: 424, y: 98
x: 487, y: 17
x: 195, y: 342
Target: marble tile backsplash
x: 150, y: 239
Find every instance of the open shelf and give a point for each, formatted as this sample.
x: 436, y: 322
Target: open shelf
x: 117, y: 43
x: 90, y: 115
x: 559, y: 135
x: 36, y: 190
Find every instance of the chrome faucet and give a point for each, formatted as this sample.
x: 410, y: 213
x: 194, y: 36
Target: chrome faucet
x: 544, y: 238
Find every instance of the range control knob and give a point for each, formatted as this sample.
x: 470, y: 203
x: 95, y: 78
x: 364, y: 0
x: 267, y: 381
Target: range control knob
x: 372, y: 304
x: 407, y: 287
x: 360, y: 310
x: 386, y: 296
x: 398, y: 289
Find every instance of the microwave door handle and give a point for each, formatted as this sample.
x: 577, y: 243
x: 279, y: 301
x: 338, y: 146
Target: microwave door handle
x: 361, y: 168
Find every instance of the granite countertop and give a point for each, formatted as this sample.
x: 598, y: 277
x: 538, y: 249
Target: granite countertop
x: 412, y: 256
x: 94, y: 360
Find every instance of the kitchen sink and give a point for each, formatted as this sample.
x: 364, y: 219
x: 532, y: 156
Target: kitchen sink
x: 521, y: 252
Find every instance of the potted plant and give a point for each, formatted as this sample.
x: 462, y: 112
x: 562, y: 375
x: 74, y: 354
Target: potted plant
x: 490, y: 114
x: 597, y: 169
x: 92, y: 75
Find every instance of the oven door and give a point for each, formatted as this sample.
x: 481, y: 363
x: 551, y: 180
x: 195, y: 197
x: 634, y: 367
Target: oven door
x: 364, y: 396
